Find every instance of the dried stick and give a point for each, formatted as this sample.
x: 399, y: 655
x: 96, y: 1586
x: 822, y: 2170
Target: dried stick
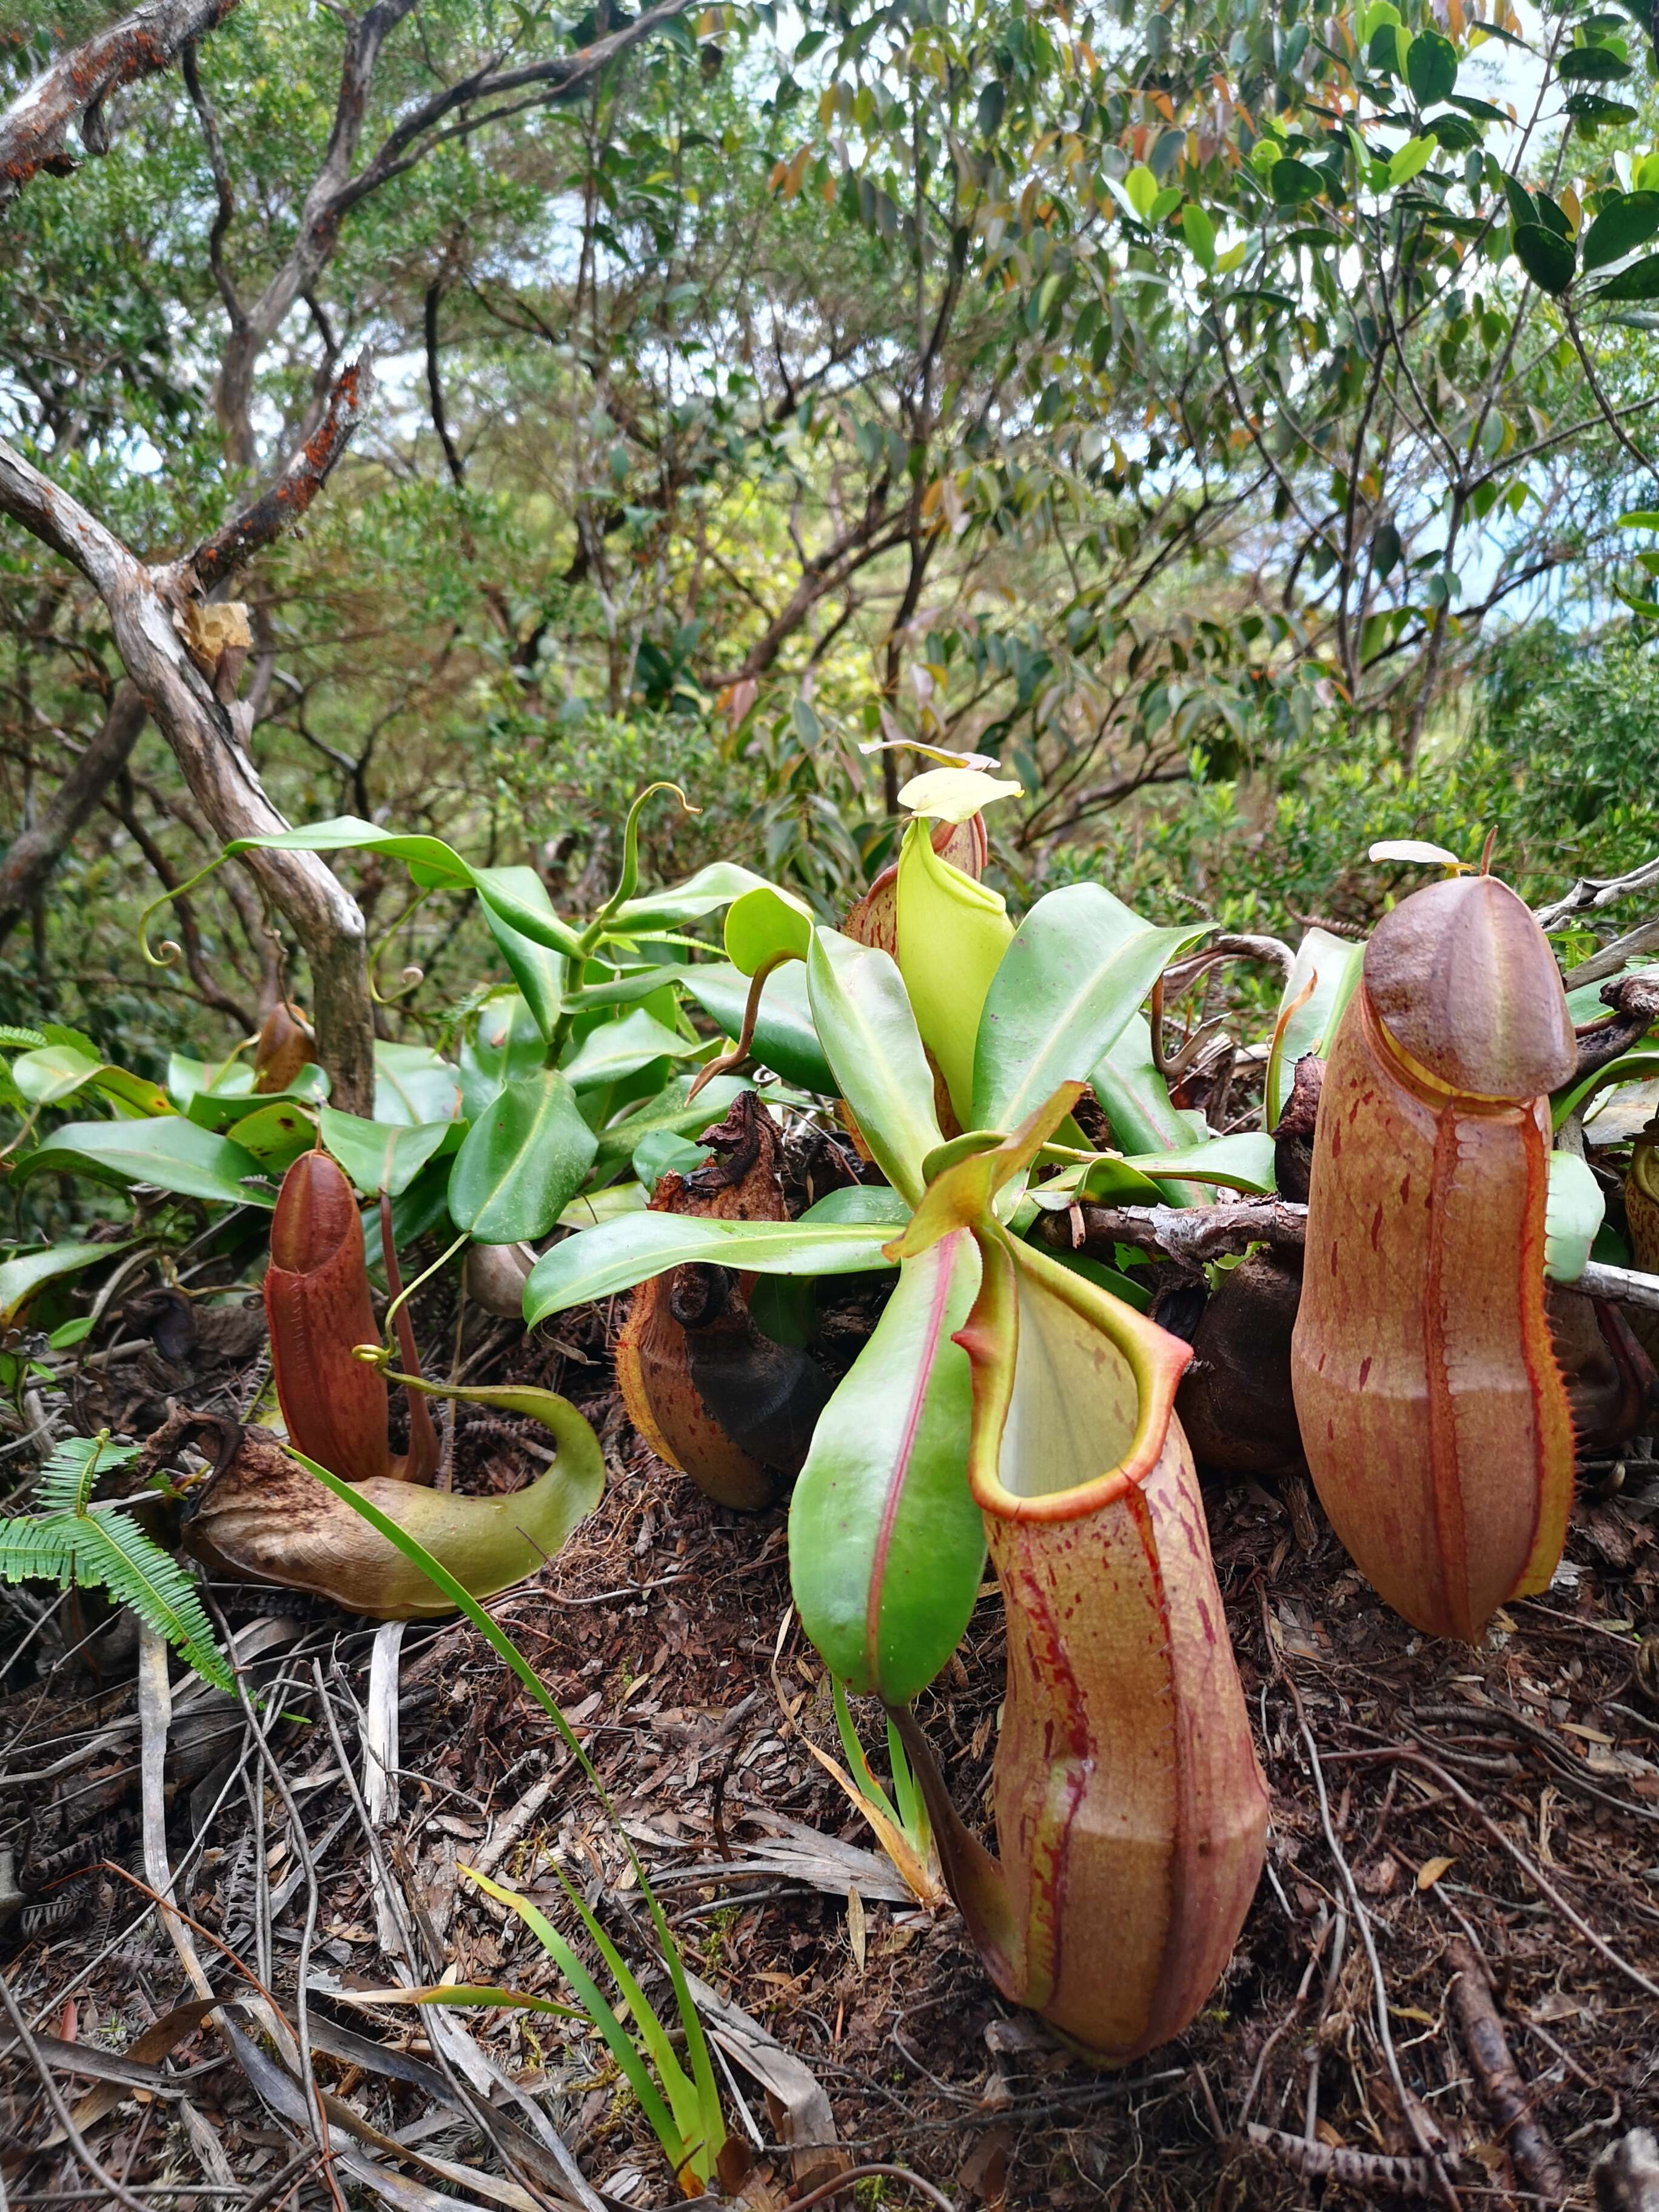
x: 1506, y: 2093
x: 1359, y: 2169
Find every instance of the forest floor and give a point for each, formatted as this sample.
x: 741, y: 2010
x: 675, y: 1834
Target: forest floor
x: 1423, y: 1794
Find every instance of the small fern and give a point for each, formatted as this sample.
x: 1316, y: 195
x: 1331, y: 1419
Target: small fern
x: 102, y: 1547
x: 14, y: 1039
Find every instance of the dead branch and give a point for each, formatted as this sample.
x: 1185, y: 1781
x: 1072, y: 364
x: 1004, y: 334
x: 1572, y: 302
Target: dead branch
x: 143, y: 606
x: 1359, y: 2169
x: 1193, y: 1234
x: 34, y: 129
x: 1482, y: 2030
x: 281, y: 506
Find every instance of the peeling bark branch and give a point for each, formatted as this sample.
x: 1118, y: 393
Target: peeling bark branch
x: 277, y: 508
x: 142, y: 603
x: 34, y: 129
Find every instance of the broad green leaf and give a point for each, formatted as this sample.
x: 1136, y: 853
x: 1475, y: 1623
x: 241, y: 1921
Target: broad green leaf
x: 1062, y: 997
x: 785, y: 1038
x: 870, y: 1039
x: 20, y: 1278
x: 591, y: 1207
x: 1242, y: 1161
x: 413, y: 1084
x: 1140, y: 188
x: 871, y: 1202
x: 1639, y: 281
x: 1591, y: 65
x: 521, y: 1162
x: 1411, y: 159
x: 432, y: 866
x: 382, y: 1154
x: 276, y: 1133
x: 1430, y: 68
x: 1585, y: 1002
x: 669, y: 1110
x: 537, y: 968
x: 170, y: 1151
x: 766, y: 924
x: 1332, y: 965
x: 187, y: 1077
x: 886, y: 1547
x: 1199, y: 234
x: 1628, y: 223
x: 712, y: 887
x: 1293, y: 182
x: 212, y: 1109
x: 57, y: 1072
x: 1573, y: 1211
x: 1137, y: 1103
x: 1547, y: 258
x: 618, y: 1254
x: 505, y: 1043
x: 618, y: 1048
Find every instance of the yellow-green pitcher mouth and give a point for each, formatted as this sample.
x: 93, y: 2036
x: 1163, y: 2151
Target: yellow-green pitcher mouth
x: 1114, y: 1378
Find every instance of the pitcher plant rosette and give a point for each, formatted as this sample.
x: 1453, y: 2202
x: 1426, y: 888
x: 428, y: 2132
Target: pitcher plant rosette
x: 1006, y: 1396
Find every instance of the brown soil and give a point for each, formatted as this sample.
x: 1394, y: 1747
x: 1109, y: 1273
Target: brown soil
x: 1456, y: 1784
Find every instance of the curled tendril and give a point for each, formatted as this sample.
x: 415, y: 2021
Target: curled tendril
x: 628, y: 881
x: 413, y: 976
x: 371, y: 1355
x: 169, y: 951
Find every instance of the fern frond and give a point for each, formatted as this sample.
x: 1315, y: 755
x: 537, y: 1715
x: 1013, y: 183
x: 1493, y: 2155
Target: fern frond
x: 66, y: 1482
x: 111, y: 1549
x: 13, y: 1038
x: 34, y: 1551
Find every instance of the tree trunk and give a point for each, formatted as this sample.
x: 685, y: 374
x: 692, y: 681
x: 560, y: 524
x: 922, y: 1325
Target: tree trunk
x: 36, y: 851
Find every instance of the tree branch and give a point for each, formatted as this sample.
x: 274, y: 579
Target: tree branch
x: 277, y: 508
x: 36, y: 851
x: 34, y: 129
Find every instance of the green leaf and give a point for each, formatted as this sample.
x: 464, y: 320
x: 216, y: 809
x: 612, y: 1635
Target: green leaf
x: 765, y: 924
x: 1292, y: 182
x: 19, y: 1279
x: 188, y: 1078
x: 1639, y: 281
x: 618, y: 1254
x: 383, y: 1156
x: 1332, y: 965
x: 522, y: 1162
x: 886, y: 1546
x: 172, y: 1153
x: 615, y: 1049
x: 1140, y: 189
x: 211, y: 1110
x: 1411, y: 159
x: 870, y: 1202
x: 277, y: 1134
x: 537, y: 968
x: 1430, y: 68
x: 1547, y: 258
x: 57, y: 1072
x: 668, y: 1111
x: 1638, y: 1066
x: 413, y: 1084
x: 1242, y: 1161
x: 785, y: 1038
x: 1199, y: 232
x: 1062, y: 997
x: 1592, y: 112
x: 1619, y: 228
x: 1573, y: 1211
x: 869, y: 1035
x: 1640, y: 518
x: 1591, y: 65
x: 711, y: 888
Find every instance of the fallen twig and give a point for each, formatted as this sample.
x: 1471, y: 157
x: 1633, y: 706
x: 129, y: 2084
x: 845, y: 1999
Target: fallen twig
x: 1534, y: 2155
x: 1359, y: 2169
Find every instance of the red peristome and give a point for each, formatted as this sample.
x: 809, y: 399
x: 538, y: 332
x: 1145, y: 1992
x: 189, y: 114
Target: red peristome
x: 319, y: 1306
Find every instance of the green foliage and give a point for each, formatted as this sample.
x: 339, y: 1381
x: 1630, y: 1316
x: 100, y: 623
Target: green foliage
x: 72, y: 1541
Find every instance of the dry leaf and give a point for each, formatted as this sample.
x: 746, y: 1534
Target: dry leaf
x: 1430, y: 1871
x: 855, y: 1926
